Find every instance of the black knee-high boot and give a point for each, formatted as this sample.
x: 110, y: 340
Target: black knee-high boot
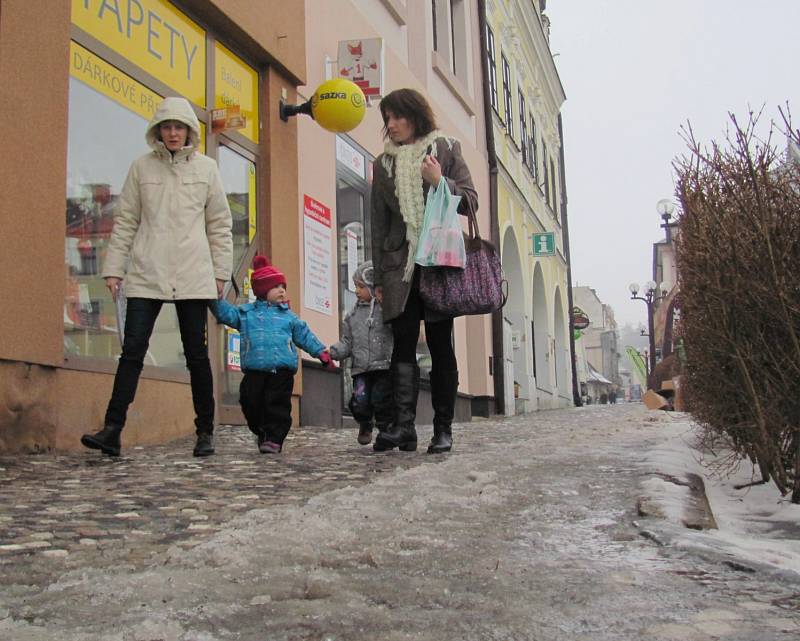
x: 405, y: 383
x: 444, y: 389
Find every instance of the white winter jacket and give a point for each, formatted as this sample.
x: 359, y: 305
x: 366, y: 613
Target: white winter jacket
x: 172, y: 225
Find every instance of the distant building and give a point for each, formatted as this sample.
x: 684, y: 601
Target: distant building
x: 600, y: 341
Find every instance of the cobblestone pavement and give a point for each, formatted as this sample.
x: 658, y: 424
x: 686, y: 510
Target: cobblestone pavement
x: 527, y: 532
x: 85, y: 508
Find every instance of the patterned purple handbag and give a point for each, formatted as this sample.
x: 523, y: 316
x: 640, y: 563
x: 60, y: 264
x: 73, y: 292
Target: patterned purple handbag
x: 476, y: 289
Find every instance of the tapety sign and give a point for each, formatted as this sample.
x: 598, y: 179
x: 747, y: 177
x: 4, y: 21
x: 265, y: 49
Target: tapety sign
x: 153, y: 35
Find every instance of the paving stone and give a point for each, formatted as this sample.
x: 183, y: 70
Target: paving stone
x: 84, y: 508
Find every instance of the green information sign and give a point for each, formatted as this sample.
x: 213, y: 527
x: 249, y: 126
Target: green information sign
x: 544, y: 244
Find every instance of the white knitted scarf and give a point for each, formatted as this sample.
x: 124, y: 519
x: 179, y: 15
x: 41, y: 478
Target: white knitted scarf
x: 408, y: 186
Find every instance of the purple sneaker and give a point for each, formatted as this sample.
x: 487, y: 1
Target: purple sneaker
x: 269, y: 447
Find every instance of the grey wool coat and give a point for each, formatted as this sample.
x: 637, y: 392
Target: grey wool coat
x: 365, y: 339
x: 389, y: 243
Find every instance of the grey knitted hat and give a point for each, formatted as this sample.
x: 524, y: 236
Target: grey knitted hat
x: 364, y: 274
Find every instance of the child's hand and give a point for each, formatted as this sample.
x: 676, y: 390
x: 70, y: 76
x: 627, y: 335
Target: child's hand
x: 325, y: 358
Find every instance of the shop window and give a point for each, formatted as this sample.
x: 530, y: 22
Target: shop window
x: 352, y: 228
x: 239, y: 181
x: 97, y: 164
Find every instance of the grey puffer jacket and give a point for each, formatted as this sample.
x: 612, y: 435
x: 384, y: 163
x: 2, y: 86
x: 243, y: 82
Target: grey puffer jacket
x: 365, y: 339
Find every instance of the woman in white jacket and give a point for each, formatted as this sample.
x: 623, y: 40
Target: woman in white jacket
x: 171, y: 242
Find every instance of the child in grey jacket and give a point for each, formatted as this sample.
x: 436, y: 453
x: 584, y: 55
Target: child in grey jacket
x: 368, y: 342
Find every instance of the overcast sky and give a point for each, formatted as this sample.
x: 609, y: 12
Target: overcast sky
x: 634, y: 71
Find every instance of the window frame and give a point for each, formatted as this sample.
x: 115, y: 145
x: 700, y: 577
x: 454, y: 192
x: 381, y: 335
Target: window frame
x: 523, y: 129
x: 492, y: 60
x: 507, y: 100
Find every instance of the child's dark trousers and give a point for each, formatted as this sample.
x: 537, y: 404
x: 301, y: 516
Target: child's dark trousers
x: 372, y: 396
x: 266, y: 400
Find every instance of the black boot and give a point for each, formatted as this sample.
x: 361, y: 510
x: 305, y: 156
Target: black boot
x: 405, y: 383
x: 106, y: 440
x: 444, y: 389
x: 204, y: 445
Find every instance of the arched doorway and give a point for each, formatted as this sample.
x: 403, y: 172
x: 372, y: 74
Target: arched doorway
x: 516, y: 387
x: 563, y: 380
x: 541, y: 336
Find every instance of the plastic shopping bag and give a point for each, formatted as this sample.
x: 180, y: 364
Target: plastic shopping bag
x: 441, y: 243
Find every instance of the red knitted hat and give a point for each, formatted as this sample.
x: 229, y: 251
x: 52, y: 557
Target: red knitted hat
x: 265, y: 276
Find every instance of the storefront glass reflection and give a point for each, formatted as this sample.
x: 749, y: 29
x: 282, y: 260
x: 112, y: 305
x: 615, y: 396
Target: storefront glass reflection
x: 239, y: 180
x: 104, y: 138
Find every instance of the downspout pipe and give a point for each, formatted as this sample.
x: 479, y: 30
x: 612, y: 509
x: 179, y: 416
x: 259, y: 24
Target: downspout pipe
x: 576, y: 394
x: 498, y: 358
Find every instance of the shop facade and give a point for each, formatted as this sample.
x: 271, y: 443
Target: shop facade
x: 81, y: 80
x: 431, y: 47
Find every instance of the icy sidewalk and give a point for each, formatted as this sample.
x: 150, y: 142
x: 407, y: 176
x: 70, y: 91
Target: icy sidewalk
x: 527, y: 531
x: 756, y: 528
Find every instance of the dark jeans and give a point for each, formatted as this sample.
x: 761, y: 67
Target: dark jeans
x: 438, y: 335
x: 266, y: 400
x: 139, y: 322
x: 372, y: 396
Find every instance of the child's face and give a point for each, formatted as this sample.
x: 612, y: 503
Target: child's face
x: 362, y: 292
x: 277, y: 294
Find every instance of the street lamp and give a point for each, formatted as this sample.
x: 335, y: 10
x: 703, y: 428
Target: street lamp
x: 665, y: 207
x: 652, y: 294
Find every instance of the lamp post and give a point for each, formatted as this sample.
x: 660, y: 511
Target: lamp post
x: 652, y: 295
x: 665, y: 207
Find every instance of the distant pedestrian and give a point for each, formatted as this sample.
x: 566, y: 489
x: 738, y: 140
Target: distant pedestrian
x: 368, y: 342
x: 269, y: 333
x: 171, y: 243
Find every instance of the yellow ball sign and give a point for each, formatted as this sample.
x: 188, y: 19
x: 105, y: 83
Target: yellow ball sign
x: 338, y: 105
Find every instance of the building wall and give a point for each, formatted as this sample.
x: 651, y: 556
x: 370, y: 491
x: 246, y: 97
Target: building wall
x: 530, y: 199
x: 600, y: 340
x: 410, y: 61
x: 46, y: 397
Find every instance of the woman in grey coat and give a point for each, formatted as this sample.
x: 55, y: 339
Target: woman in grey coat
x: 416, y: 156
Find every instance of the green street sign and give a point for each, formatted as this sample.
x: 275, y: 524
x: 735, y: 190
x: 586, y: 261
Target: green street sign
x: 544, y: 244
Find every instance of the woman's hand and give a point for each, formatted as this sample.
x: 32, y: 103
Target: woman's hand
x: 431, y: 170
x: 220, y: 287
x: 379, y: 294
x: 113, y: 283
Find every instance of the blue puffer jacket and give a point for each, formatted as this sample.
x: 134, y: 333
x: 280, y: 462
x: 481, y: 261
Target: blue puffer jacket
x: 269, y: 334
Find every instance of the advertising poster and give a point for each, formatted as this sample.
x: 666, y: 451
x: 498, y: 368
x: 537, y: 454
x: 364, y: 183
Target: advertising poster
x: 234, y: 350
x: 317, y: 253
x: 352, y: 258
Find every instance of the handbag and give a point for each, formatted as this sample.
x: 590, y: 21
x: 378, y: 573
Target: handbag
x: 479, y: 288
x: 441, y: 242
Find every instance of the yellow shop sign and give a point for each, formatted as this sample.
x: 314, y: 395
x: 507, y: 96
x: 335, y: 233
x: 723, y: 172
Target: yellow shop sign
x: 111, y: 82
x: 153, y: 35
x: 236, y: 84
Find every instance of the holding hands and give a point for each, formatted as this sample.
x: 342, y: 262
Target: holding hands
x: 325, y: 358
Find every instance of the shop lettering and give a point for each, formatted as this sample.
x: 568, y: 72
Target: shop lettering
x: 132, y: 21
x: 228, y: 77
x: 86, y: 67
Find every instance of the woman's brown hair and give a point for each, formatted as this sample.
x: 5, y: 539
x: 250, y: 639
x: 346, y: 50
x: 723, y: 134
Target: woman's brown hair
x: 411, y: 105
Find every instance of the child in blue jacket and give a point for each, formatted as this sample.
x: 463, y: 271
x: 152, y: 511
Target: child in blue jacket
x: 269, y: 333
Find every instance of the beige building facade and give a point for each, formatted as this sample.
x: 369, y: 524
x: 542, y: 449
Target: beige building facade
x: 433, y: 47
x: 526, y: 97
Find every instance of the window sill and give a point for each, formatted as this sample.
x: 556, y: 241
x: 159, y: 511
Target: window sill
x: 442, y: 69
x: 398, y: 10
x: 109, y: 366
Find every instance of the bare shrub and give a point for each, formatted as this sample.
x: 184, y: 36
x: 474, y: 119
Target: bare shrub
x: 738, y: 252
